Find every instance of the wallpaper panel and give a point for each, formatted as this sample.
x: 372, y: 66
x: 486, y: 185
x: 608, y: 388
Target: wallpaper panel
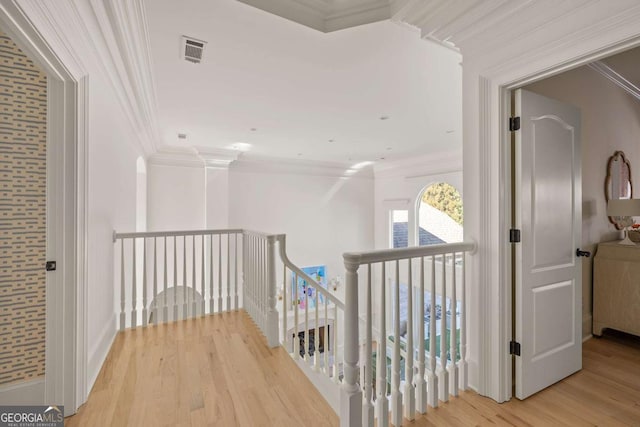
x: 23, y: 134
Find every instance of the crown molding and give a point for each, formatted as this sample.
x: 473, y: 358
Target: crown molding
x: 122, y: 45
x: 81, y: 33
x: 263, y: 164
x: 418, y: 166
x: 615, y: 77
x: 43, y: 25
x: 128, y: 23
x: 194, y: 157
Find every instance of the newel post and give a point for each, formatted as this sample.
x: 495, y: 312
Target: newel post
x: 272, y: 313
x: 350, y: 393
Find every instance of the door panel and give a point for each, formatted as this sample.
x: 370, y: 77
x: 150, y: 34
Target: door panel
x: 548, y: 212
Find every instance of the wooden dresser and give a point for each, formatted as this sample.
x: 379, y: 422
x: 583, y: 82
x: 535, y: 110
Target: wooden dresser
x: 616, y: 288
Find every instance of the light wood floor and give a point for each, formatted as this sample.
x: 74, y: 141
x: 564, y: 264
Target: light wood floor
x: 211, y: 371
x: 219, y: 371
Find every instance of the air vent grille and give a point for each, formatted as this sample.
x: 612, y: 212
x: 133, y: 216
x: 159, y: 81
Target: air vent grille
x: 192, y: 49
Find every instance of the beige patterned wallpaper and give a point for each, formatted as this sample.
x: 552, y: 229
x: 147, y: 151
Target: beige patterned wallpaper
x: 23, y: 135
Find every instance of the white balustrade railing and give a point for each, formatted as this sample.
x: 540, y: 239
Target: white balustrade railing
x: 312, y: 319
x: 435, y: 366
x: 414, y: 316
x: 260, y: 283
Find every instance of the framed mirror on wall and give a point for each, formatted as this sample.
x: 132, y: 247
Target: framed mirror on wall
x: 617, y: 184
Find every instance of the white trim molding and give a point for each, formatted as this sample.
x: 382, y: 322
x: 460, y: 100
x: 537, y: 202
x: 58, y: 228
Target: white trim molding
x: 491, y: 71
x: 420, y: 166
x: 194, y: 157
x: 98, y: 354
x: 23, y: 393
x: 615, y: 77
x: 261, y: 164
x: 66, y: 191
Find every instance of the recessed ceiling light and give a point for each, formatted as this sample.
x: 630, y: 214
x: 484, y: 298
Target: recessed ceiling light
x: 299, y: 154
x: 384, y: 117
x: 450, y: 131
x: 381, y: 158
x: 253, y: 129
x: 240, y: 146
x: 332, y: 140
x: 182, y: 136
x: 388, y: 148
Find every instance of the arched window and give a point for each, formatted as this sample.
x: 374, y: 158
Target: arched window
x: 439, y: 215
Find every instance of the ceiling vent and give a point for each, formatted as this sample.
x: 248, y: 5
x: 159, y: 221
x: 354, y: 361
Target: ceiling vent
x: 192, y: 49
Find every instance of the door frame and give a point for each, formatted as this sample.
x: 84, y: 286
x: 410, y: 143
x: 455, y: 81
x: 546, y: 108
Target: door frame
x: 67, y: 163
x: 494, y: 318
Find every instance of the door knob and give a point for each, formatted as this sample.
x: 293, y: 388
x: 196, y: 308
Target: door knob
x: 580, y: 253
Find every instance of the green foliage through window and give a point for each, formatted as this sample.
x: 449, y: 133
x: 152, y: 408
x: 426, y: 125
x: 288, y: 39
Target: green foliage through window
x: 445, y: 198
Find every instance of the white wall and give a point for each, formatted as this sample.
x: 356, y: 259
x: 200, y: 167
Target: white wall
x: 610, y: 122
x: 322, y: 216
x: 217, y: 198
x: 112, y: 206
x: 176, y: 197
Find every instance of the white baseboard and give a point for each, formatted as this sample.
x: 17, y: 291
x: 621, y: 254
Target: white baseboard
x: 99, y: 352
x: 327, y: 388
x: 23, y: 393
x: 587, y: 325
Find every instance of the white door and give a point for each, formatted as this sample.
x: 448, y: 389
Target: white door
x: 549, y: 214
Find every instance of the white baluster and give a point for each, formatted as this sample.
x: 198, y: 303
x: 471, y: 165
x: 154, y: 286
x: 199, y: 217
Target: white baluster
x: 184, y: 277
x: 453, y: 367
x: 144, y: 282
x: 464, y: 380
x: 307, y: 341
x: 409, y: 391
x: 336, y: 370
x: 235, y: 246
x: 421, y: 384
x: 432, y: 378
x: 296, y: 306
x: 382, y: 403
x: 203, y: 304
x: 211, y: 301
x: 326, y: 337
x: 285, y: 335
x: 155, y: 280
x: 165, y: 296
x: 122, y: 290
x: 175, y: 278
x: 228, y: 272
x: 316, y: 336
x: 219, y: 273
x: 192, y: 295
x: 444, y: 374
x: 134, y: 286
x: 367, y: 406
x: 262, y: 284
x: 396, y: 397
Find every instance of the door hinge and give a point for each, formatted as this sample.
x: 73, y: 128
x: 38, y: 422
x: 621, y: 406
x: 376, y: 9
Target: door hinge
x: 514, y: 123
x: 514, y: 235
x: 514, y: 348
x: 50, y: 266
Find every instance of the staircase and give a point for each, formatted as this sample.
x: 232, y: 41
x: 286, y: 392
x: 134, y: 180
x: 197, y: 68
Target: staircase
x: 369, y: 354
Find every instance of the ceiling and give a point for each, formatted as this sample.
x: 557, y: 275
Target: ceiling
x: 374, y: 92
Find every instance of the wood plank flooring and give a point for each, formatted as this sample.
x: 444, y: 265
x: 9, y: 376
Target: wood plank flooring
x: 211, y: 371
x: 606, y: 392
x: 218, y: 371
